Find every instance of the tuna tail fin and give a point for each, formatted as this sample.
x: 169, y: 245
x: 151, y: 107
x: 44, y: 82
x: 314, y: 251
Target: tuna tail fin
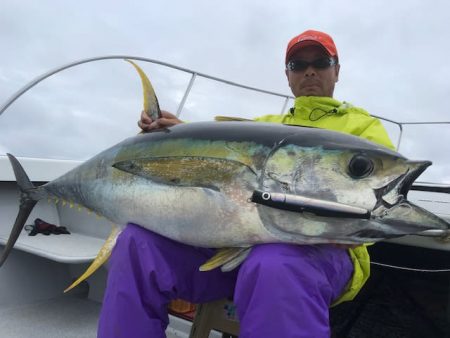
x: 29, y: 196
x: 101, y: 258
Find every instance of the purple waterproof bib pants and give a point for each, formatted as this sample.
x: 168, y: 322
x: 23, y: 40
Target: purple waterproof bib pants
x: 280, y: 290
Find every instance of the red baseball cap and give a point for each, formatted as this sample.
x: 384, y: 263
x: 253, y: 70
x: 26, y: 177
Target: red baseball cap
x: 308, y: 38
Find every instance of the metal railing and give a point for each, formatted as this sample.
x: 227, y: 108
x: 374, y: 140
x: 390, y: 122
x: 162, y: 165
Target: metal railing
x: 194, y: 75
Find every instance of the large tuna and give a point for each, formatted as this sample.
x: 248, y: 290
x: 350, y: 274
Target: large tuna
x: 236, y: 184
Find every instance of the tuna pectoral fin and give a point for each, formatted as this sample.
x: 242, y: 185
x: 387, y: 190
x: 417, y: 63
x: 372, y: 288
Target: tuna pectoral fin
x: 228, y: 258
x: 193, y: 171
x: 101, y: 258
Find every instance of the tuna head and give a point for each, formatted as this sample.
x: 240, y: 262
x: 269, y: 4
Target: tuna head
x: 340, y: 189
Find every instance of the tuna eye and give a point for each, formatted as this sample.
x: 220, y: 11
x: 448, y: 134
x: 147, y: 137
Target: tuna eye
x: 360, y: 166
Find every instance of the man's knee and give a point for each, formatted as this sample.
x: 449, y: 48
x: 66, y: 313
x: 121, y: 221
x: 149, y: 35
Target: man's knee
x: 278, y: 258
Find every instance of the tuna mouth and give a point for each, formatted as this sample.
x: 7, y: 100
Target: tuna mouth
x: 417, y: 168
x: 397, y: 190
x: 402, y: 216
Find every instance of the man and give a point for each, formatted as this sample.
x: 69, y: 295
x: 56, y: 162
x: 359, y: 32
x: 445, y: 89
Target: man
x: 280, y: 290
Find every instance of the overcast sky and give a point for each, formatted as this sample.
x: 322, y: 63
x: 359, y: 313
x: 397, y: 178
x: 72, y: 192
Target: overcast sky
x: 394, y: 63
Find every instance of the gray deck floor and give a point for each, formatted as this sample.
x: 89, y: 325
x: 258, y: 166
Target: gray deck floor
x: 66, y: 317
x: 56, y: 318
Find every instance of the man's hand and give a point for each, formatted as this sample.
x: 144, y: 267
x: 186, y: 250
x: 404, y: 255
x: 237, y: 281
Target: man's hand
x: 167, y: 120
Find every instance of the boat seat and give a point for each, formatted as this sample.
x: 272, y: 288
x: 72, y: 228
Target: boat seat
x: 218, y: 315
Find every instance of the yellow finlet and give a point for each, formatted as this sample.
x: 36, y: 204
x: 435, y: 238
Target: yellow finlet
x: 151, y: 105
x: 222, y: 257
x: 101, y: 258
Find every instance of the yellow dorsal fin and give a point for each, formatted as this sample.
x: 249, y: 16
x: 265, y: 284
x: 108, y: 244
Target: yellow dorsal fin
x: 229, y: 118
x: 101, y: 258
x: 151, y: 105
x: 222, y: 257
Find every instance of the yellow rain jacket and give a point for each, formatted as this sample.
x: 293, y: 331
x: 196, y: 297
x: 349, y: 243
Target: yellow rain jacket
x: 328, y: 113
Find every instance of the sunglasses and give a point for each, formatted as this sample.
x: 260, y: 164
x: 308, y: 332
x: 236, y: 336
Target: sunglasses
x: 301, y: 65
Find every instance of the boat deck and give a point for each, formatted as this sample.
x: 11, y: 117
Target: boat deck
x: 64, y: 316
